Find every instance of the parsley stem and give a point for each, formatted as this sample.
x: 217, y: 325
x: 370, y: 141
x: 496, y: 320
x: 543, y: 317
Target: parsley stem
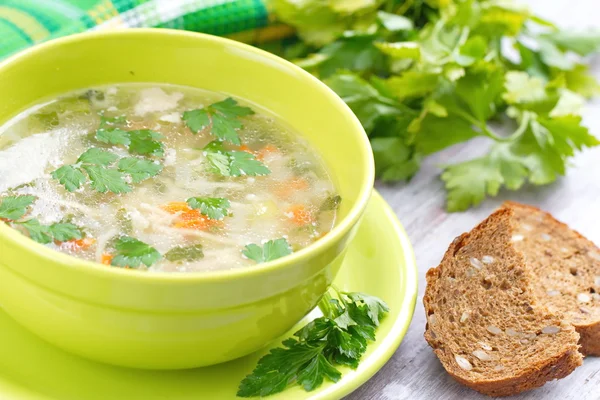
x: 326, y: 306
x: 487, y: 132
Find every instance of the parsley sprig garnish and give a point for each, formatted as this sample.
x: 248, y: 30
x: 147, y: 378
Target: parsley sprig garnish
x: 223, y: 118
x: 339, y: 338
x: 103, y: 175
x: 233, y: 163
x: 14, y: 208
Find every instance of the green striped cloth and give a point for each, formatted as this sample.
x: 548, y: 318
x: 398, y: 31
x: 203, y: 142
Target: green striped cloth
x: 24, y: 23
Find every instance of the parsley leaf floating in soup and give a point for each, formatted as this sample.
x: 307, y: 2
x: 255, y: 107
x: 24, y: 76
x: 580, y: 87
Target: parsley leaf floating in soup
x: 14, y: 207
x: 132, y: 253
x: 235, y: 163
x: 185, y: 253
x: 222, y: 117
x: 162, y: 178
x: 212, y: 207
x: 271, y: 250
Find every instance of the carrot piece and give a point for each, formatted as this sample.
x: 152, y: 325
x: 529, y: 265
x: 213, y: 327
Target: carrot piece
x: 77, y: 244
x: 193, y: 219
x: 299, y: 215
x: 176, y: 206
x: 84, y: 243
x: 265, y: 151
x: 246, y: 149
x: 290, y: 187
x: 202, y: 223
x: 106, y: 259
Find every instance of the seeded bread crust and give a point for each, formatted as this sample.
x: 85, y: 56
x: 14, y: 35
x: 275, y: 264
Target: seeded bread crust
x: 484, y: 322
x: 570, y: 265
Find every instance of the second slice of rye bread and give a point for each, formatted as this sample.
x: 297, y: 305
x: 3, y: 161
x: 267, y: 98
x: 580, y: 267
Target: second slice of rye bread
x: 567, y: 270
x: 485, y: 320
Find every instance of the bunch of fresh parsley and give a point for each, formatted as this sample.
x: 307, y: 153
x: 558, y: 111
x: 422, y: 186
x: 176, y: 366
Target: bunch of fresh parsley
x: 423, y: 75
x: 338, y: 338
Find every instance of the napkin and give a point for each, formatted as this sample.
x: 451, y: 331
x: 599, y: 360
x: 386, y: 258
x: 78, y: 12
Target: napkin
x: 24, y: 23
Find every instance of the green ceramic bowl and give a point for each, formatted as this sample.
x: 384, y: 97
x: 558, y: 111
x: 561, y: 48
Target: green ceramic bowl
x: 170, y: 321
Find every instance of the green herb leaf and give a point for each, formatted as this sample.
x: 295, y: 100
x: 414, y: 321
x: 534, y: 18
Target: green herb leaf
x: 319, y: 347
x: 212, y: 207
x: 105, y: 179
x: 376, y: 308
x: 185, y: 253
x: 234, y: 163
x: 393, y: 22
x: 425, y: 75
x: 394, y: 160
x: 108, y: 122
x: 38, y: 232
x: 582, y: 43
x: 146, y: 142
x: 113, y: 136
x: 331, y: 203
x: 413, y: 84
x: 139, y: 169
x: 243, y: 163
x: 279, y: 368
x: 132, y: 253
x: 15, y: 207
x: 96, y: 156
x: 63, y: 232
x: 367, y: 102
x: 70, y: 176
x: 271, y: 250
x: 521, y: 88
x: 223, y: 117
x: 346, y: 344
x: 312, y: 375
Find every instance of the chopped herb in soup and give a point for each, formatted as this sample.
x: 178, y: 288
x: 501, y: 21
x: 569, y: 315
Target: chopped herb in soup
x: 164, y: 178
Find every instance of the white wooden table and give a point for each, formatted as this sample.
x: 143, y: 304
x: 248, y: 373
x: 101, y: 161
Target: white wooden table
x: 414, y: 372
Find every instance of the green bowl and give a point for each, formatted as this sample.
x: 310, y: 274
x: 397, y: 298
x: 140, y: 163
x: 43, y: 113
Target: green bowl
x: 171, y: 321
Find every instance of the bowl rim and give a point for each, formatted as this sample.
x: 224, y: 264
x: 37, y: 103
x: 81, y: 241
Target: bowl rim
x: 303, y: 255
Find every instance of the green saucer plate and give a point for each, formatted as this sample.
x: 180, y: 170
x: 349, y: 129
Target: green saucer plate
x: 380, y: 262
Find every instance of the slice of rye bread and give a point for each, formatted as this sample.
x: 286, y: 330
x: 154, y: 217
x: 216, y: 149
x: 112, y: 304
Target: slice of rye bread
x: 484, y: 321
x: 567, y: 270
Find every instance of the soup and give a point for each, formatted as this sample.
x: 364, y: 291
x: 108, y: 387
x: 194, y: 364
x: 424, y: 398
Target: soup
x: 162, y: 178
